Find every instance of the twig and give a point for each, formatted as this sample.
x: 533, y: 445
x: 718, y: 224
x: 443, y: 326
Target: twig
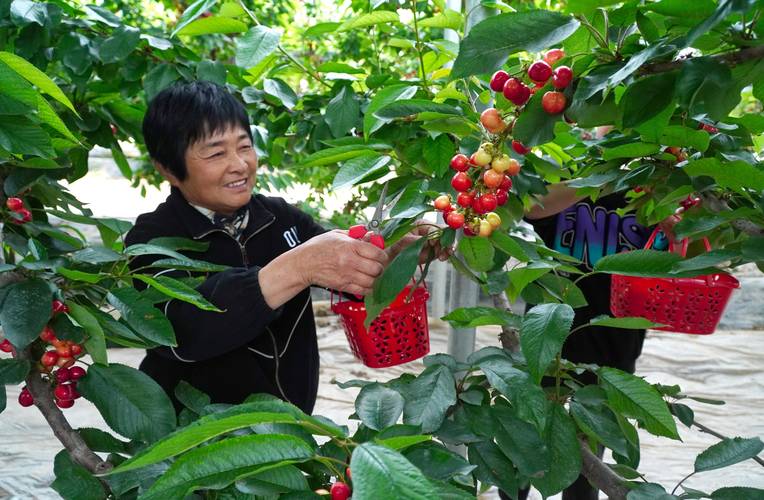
x: 419, y: 49
x: 728, y: 59
x: 600, y: 475
x: 509, y: 337
x: 707, y: 430
x: 714, y: 204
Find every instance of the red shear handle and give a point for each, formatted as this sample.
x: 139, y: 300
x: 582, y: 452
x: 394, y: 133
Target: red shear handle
x: 685, y: 242
x: 358, y: 231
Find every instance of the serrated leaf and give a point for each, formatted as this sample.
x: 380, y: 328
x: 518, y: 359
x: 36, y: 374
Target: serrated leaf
x: 428, y: 398
x: 376, y: 469
x: 211, y: 25
x: 470, y: 317
x: 193, y: 11
x: 255, y: 45
x: 95, y: 344
x: 13, y: 371
x: 565, y: 454
x: 449, y: 19
x: 545, y: 328
x: 646, y: 98
x: 25, y: 311
x: 407, y: 107
x: 355, y: 170
x: 379, y: 406
x: 36, y: 77
x: 370, y: 19
x: 738, y: 175
x: 633, y: 150
x: 142, y: 316
x: 394, y: 278
x: 334, y: 155
x: 627, y: 323
x: 678, y: 135
x: 342, y: 112
x: 728, y: 452
x: 177, y: 290
x: 478, y: 252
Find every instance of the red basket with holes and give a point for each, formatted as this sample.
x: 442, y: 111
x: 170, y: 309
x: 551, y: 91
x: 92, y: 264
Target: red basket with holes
x: 684, y: 305
x: 398, y: 335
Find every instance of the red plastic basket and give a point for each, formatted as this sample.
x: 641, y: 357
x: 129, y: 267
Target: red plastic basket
x: 684, y: 305
x: 398, y: 335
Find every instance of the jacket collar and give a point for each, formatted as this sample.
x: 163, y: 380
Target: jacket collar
x: 198, y: 225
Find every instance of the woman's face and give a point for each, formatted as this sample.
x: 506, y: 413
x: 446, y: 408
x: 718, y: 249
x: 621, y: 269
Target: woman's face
x: 220, y: 171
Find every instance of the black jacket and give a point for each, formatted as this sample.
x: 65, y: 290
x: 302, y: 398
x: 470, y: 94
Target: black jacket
x: 231, y: 355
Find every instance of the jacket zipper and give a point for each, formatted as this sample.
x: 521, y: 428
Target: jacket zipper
x: 242, y: 246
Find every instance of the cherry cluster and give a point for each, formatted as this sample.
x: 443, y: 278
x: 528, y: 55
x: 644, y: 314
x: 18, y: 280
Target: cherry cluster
x: 61, y: 358
x: 20, y: 214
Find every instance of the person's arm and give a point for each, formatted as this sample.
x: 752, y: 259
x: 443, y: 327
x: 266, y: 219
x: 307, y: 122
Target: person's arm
x: 559, y: 197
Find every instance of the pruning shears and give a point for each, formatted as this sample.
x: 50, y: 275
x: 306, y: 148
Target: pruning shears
x: 374, y: 225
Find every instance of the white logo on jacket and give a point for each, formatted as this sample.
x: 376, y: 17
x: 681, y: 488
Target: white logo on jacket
x: 290, y: 235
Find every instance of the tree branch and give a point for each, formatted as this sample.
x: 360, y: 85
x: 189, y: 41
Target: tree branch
x: 600, y: 475
x: 714, y: 204
x: 71, y: 439
x: 728, y: 59
x: 708, y: 430
x: 508, y: 336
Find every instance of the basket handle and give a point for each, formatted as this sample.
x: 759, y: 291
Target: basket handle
x: 685, y: 242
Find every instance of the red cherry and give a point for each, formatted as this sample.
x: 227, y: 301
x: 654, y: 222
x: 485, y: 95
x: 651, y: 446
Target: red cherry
x: 347, y: 473
x: 516, y: 91
x: 562, y: 77
x: 492, y: 179
x: 64, y: 351
x: 520, y: 148
x: 47, y: 334
x: 59, y: 307
x: 76, y: 349
x: 491, y: 120
x: 64, y: 403
x: 638, y: 189
x: 442, y: 202
x: 540, y: 72
x: 25, y: 398
x: 455, y: 220
x: 554, y: 55
x: 498, y: 80
x: 14, y: 204
x: 460, y: 163
x: 461, y: 182
x: 26, y: 216
x: 468, y: 231
x: 553, y: 102
x: 477, y: 205
x: 75, y: 393
x: 514, y: 169
x: 77, y: 372
x: 488, y: 202
x: 49, y: 358
x: 65, y: 361
x: 357, y: 232
x: 63, y: 375
x: 506, y: 184
x: 709, y: 128
x: 464, y: 200
x: 501, y: 197
x: 6, y: 346
x: 340, y: 491
x: 63, y: 392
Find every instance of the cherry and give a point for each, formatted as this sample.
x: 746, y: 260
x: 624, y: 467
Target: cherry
x: 442, y: 202
x: 63, y: 392
x: 64, y: 403
x: 501, y: 197
x: 501, y: 164
x: 6, y: 346
x: 65, y: 361
x: 25, y: 398
x: 491, y: 120
x: 460, y: 163
x: 540, y: 72
x: 14, y: 204
x: 47, y: 334
x: 520, y: 148
x: 498, y: 80
x: 512, y: 169
x: 26, y: 216
x: 455, y: 220
x: 677, y: 152
x: 492, y: 179
x: 488, y: 202
x: 64, y: 351
x: 553, y: 102
x: 76, y: 349
x: 482, y: 157
x: 553, y: 55
x: 516, y: 91
x: 357, y: 232
x: 347, y: 473
x: 340, y: 491
x: 485, y: 229
x: 562, y: 77
x: 63, y: 375
x: 506, y: 184
x: 77, y: 372
x: 469, y: 231
x: 59, y: 307
x: 477, y: 205
x: 708, y: 128
x: 75, y: 393
x: 638, y: 189
x: 464, y: 199
x: 493, y: 219
x: 49, y: 358
x: 461, y: 182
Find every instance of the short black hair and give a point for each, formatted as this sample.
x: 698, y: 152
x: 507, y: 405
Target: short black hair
x: 185, y: 113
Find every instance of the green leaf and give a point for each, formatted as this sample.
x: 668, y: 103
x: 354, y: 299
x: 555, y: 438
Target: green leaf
x: 706, y: 260
x: 639, y: 263
x: 21, y: 136
x: 319, y: 29
x: 74, y: 481
x: 177, y: 290
x: 193, y: 11
x: 376, y: 469
x: 737, y: 493
x: 25, y: 12
x: 395, y: 277
x: 649, y: 491
x: 36, y: 77
x: 279, y: 89
x: 437, y: 154
x: 191, y: 397
x: 428, y: 397
x: 491, y: 41
x: 142, y: 316
x: 235, y: 458
x: 634, y: 398
x: 535, y: 126
x: 48, y: 115
x: 627, y: 323
x: 593, y: 111
x: 753, y: 248
x: 96, y: 255
x: 598, y: 420
x: 25, y: 311
x: 563, y: 289
x: 355, y: 170
x: 690, y: 226
x: 521, y: 442
x: 478, y: 252
x: 562, y: 443
x: 13, y: 371
x: 342, y: 112
x: 544, y: 330
x: 121, y: 161
x: 158, y: 78
x: 449, y: 19
x: 334, y: 155
x: 646, y: 98
x: 508, y: 245
x: 379, y: 406
x: 149, y: 249
x: 493, y: 466
x: 95, y: 344
x: 101, y: 441
x: 470, y: 317
x: 370, y: 19
x: 212, y: 24
x: 706, y: 86
x: 678, y: 135
x: 129, y: 401
x: 437, y: 462
x: 188, y: 265
x: 407, y: 107
x: 280, y: 480
x: 527, y: 397
x: 738, y: 175
x: 728, y: 452
x: 633, y: 150
x: 119, y: 45
x: 254, y: 46
x: 402, y: 442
